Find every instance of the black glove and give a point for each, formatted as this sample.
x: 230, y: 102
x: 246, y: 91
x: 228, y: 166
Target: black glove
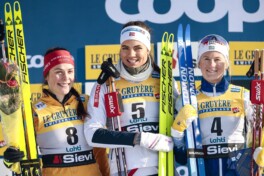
x: 194, y: 62
x: 13, y: 155
x: 2, y: 30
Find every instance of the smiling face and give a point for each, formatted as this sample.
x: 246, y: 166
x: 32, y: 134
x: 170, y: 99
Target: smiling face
x: 213, y: 65
x: 60, y: 80
x: 133, y: 53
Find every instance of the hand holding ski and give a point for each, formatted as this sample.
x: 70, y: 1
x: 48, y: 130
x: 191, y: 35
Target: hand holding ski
x: 188, y: 93
x: 184, y: 119
x: 259, y: 156
x: 156, y: 142
x: 17, y: 121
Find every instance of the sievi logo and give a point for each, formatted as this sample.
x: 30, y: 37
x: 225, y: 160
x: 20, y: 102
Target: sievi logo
x: 67, y: 160
x: 218, y: 149
x: 235, y: 13
x: 145, y: 127
x: 72, y: 158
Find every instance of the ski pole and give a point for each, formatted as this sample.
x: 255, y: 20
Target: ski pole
x: 257, y: 86
x: 113, y: 106
x: 260, y: 117
x: 117, y: 118
x: 114, y: 128
x: 2, y: 41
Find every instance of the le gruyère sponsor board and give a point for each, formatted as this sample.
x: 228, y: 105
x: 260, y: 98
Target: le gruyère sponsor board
x: 95, y: 55
x: 241, y: 56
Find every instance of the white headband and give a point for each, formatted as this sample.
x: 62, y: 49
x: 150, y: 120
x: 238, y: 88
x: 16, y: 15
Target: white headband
x: 135, y: 33
x: 215, y: 43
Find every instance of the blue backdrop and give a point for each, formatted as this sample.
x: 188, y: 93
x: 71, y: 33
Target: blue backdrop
x: 75, y: 23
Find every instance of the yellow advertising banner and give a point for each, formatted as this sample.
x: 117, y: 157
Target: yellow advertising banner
x: 95, y: 55
x: 241, y: 56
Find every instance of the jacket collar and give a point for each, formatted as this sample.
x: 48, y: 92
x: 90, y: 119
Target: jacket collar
x: 222, y: 86
x: 65, y: 99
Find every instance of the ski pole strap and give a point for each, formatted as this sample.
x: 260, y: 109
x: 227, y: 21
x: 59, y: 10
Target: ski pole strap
x: 112, y: 104
x: 250, y: 71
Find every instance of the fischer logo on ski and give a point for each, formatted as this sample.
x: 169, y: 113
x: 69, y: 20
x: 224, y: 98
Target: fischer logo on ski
x: 166, y: 160
x: 30, y: 165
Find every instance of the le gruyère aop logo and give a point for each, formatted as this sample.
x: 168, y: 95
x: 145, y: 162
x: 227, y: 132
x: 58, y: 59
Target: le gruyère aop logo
x: 137, y: 91
x: 60, y: 117
x: 216, y: 105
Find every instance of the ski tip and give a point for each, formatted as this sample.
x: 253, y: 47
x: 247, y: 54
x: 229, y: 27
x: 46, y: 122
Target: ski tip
x: 188, y: 26
x: 7, y: 7
x: 17, y: 6
x: 188, y: 30
x: 165, y: 36
x: 180, y: 26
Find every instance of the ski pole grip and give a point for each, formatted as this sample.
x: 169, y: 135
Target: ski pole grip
x: 256, y: 63
x: 257, y: 85
x: 262, y: 64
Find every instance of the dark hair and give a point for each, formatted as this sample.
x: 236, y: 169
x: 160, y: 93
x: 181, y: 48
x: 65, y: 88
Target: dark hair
x: 81, y: 112
x: 55, y: 49
x: 138, y: 23
x: 146, y: 27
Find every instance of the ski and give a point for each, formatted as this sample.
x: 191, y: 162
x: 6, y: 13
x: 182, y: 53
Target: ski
x: 166, y: 159
x: 30, y: 165
x: 188, y: 91
x: 193, y: 100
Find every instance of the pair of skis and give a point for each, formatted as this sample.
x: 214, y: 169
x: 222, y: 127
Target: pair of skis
x: 257, y: 87
x: 166, y: 159
x: 188, y: 92
x: 30, y: 165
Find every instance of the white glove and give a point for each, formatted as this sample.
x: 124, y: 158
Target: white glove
x: 157, y: 142
x: 259, y: 156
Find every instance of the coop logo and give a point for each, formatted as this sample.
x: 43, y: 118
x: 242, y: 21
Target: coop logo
x: 236, y: 14
x: 35, y: 61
